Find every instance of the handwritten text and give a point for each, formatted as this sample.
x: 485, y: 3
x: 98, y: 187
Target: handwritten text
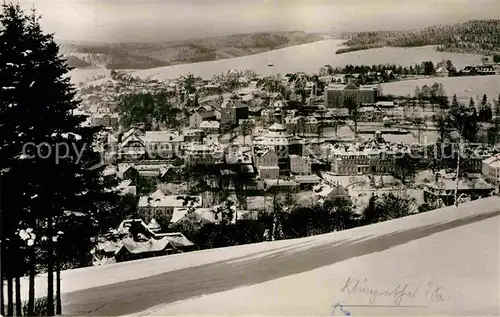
x: 399, y: 293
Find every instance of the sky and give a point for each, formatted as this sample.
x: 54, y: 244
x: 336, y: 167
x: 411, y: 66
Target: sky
x: 163, y: 20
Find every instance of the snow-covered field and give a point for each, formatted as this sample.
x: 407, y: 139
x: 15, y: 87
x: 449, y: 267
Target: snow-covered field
x: 464, y: 261
x: 87, y: 74
x: 463, y: 87
x: 447, y: 259
x: 307, y: 58
x: 83, y: 278
x: 439, y: 269
x: 452, y: 273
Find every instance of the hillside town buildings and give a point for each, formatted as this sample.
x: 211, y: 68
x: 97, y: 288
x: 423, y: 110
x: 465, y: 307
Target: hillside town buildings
x: 288, y: 146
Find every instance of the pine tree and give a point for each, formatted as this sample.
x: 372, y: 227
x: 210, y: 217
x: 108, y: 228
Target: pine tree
x: 454, y: 103
x: 471, y: 103
x: 485, y: 111
x: 371, y: 212
x: 47, y: 148
x: 497, y: 107
x: 484, y: 101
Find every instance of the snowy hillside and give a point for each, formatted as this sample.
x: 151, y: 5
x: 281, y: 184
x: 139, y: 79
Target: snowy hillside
x: 453, y: 248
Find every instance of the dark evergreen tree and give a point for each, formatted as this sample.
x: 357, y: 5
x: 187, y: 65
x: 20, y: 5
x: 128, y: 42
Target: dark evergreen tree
x: 484, y: 101
x: 149, y: 109
x: 464, y: 120
x: 395, y: 206
x: 371, y: 212
x: 387, y: 207
x: 485, y: 111
x: 405, y: 167
x: 428, y: 68
x: 454, y: 103
x: 47, y: 148
x: 497, y: 107
x: 472, y: 104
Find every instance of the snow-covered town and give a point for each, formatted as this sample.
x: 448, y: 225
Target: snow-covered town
x: 290, y: 139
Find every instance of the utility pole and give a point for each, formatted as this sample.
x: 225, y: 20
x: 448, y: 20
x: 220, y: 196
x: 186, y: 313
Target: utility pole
x: 457, y: 173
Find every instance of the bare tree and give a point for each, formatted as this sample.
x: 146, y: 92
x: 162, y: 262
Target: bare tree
x: 354, y: 113
x: 246, y: 129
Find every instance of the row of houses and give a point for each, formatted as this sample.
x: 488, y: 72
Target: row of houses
x: 134, y: 239
x: 443, y: 188
x: 370, y: 77
x: 479, y: 70
x: 228, y: 115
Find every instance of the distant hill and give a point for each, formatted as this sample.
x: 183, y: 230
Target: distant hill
x: 475, y: 36
x: 150, y: 55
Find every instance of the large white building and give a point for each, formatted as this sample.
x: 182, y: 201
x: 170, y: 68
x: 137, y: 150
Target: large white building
x: 491, y: 169
x: 374, y: 156
x: 163, y: 144
x: 336, y: 96
x: 277, y: 139
x: 196, y: 153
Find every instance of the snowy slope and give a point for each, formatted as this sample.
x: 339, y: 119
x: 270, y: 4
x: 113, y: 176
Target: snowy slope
x: 456, y: 273
x: 420, y: 261
x: 451, y: 273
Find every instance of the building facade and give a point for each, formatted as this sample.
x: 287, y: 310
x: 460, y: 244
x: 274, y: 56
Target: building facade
x: 266, y: 158
x: 202, y: 154
x: 163, y: 144
x: 300, y: 165
x: 210, y: 127
x: 491, y: 169
x: 105, y: 120
x: 338, y: 96
x: 269, y: 172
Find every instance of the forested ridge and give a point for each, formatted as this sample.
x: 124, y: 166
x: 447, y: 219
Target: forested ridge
x: 150, y: 55
x: 475, y: 36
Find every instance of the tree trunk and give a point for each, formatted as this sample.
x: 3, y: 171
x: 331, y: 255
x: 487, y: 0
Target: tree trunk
x: 2, y: 272
x: 2, y: 310
x: 3, y: 251
x: 58, y: 276
x: 19, y: 304
x: 31, y: 290
x: 50, y: 269
x: 10, y: 293
x: 58, y: 286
